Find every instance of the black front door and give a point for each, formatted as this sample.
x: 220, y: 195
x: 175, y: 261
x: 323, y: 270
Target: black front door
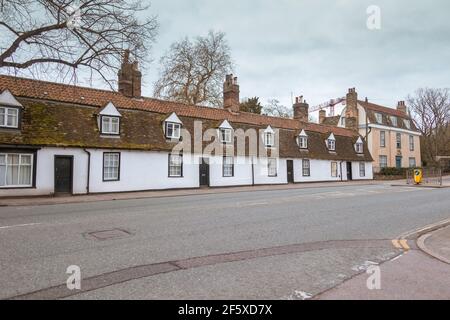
x: 349, y: 171
x: 204, y: 172
x: 290, y: 171
x: 63, y: 174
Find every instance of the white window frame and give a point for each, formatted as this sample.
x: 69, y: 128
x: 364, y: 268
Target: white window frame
x: 411, y: 143
x: 6, y: 113
x: 306, y: 168
x: 331, y: 144
x: 108, y: 120
x: 272, y: 170
x: 176, y: 130
x: 175, y: 167
x: 382, y: 139
x: 359, y: 147
x: 362, y: 169
x: 226, y: 135
x: 303, y: 142
x: 382, y: 163
x: 19, y: 165
x: 398, y: 140
x: 394, y: 121
x: 269, y: 139
x: 378, y: 117
x: 334, y: 165
x: 112, y: 164
x: 227, y: 166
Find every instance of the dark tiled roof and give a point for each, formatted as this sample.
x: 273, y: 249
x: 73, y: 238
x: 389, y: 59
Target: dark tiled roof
x: 331, y: 121
x: 61, y: 118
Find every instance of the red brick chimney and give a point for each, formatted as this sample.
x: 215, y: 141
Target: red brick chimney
x: 231, y: 93
x: 301, y: 109
x: 129, y: 77
x: 322, y: 116
x: 401, y: 106
x: 351, y: 110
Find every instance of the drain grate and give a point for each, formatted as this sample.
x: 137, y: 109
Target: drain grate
x: 108, y: 234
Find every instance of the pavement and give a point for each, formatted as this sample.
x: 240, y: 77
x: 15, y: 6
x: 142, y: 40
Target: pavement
x: 284, y: 243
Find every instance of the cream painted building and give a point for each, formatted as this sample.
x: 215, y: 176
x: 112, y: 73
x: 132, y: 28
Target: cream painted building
x: 391, y: 135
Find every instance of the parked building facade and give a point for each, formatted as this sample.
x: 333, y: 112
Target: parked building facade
x: 390, y: 134
x: 57, y: 138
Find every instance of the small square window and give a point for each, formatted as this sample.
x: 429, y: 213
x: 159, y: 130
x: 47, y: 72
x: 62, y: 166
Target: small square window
x: 359, y: 147
x: 331, y: 144
x: 303, y: 142
x: 225, y: 135
x: 173, y: 130
x: 268, y: 139
x: 9, y: 117
x: 394, y: 121
x: 110, y: 125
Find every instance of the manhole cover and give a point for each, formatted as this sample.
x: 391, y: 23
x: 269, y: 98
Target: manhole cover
x: 108, y: 234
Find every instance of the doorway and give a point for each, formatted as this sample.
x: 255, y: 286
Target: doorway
x: 204, y: 172
x: 349, y: 171
x: 63, y: 174
x: 290, y: 171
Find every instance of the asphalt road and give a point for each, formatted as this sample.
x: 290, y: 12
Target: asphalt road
x: 282, y: 244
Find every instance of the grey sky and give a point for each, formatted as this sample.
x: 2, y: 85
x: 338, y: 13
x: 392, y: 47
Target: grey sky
x: 318, y: 48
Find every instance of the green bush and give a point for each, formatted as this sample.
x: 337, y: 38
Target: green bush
x: 393, y: 171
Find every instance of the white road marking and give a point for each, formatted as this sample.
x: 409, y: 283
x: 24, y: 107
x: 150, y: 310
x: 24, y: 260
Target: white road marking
x: 19, y: 225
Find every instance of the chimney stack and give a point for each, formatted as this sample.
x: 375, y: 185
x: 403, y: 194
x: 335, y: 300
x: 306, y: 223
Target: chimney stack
x: 301, y: 109
x: 401, y: 106
x: 322, y: 115
x: 231, y: 93
x: 351, y: 111
x: 129, y: 77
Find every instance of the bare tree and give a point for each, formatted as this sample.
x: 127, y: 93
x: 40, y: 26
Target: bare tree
x: 275, y: 109
x: 193, y: 71
x: 430, y: 109
x: 39, y: 36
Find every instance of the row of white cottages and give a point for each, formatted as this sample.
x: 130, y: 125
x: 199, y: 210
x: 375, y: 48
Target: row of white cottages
x: 64, y: 139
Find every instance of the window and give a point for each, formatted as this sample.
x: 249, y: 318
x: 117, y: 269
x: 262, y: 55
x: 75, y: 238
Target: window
x: 303, y: 142
x: 379, y: 117
x: 272, y: 167
x: 110, y: 125
x: 362, y: 169
x: 383, y: 161
x: 412, y: 162
x: 359, y: 147
x: 268, y: 139
x: 331, y: 144
x: 173, y: 130
x: 225, y: 135
x: 111, y: 166
x: 411, y: 143
x: 382, y: 138
x: 398, y: 139
x: 407, y: 124
x: 228, y: 166
x: 175, y: 165
x: 306, y: 170
x: 9, y: 117
x: 394, y: 121
x: 334, y: 170
x: 16, y: 170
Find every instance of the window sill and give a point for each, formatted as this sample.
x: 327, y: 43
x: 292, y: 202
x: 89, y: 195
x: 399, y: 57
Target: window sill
x: 110, y: 135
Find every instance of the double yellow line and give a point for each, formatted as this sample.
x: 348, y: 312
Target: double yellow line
x: 401, y: 244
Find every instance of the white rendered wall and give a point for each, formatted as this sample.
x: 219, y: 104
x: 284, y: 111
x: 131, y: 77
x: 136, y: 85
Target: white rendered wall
x: 242, y: 172
x: 320, y: 170
x: 368, y: 173
x: 261, y: 176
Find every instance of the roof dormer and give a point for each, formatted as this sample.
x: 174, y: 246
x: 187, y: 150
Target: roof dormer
x: 10, y: 111
x: 225, y: 132
x: 109, y: 120
x: 331, y: 142
x: 7, y: 99
x: 302, y: 140
x: 359, y: 145
x: 172, y: 127
x: 269, y: 137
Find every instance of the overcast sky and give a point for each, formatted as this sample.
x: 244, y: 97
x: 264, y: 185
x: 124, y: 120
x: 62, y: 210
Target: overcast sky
x: 318, y: 49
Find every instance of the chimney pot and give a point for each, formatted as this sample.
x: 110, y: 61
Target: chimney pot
x: 129, y: 77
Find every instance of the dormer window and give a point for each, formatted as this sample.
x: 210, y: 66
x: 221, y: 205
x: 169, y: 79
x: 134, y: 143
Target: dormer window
x: 172, y: 127
x: 9, y: 110
x: 394, y: 121
x: 359, y: 146
x: 379, y: 117
x: 407, y: 124
x: 173, y: 130
x: 331, y: 143
x: 9, y: 117
x: 303, y: 140
x: 269, y: 137
x: 225, y: 132
x: 110, y: 125
x: 109, y: 120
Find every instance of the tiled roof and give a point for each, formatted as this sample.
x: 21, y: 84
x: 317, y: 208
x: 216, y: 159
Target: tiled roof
x: 331, y: 121
x: 30, y: 88
x: 381, y: 109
